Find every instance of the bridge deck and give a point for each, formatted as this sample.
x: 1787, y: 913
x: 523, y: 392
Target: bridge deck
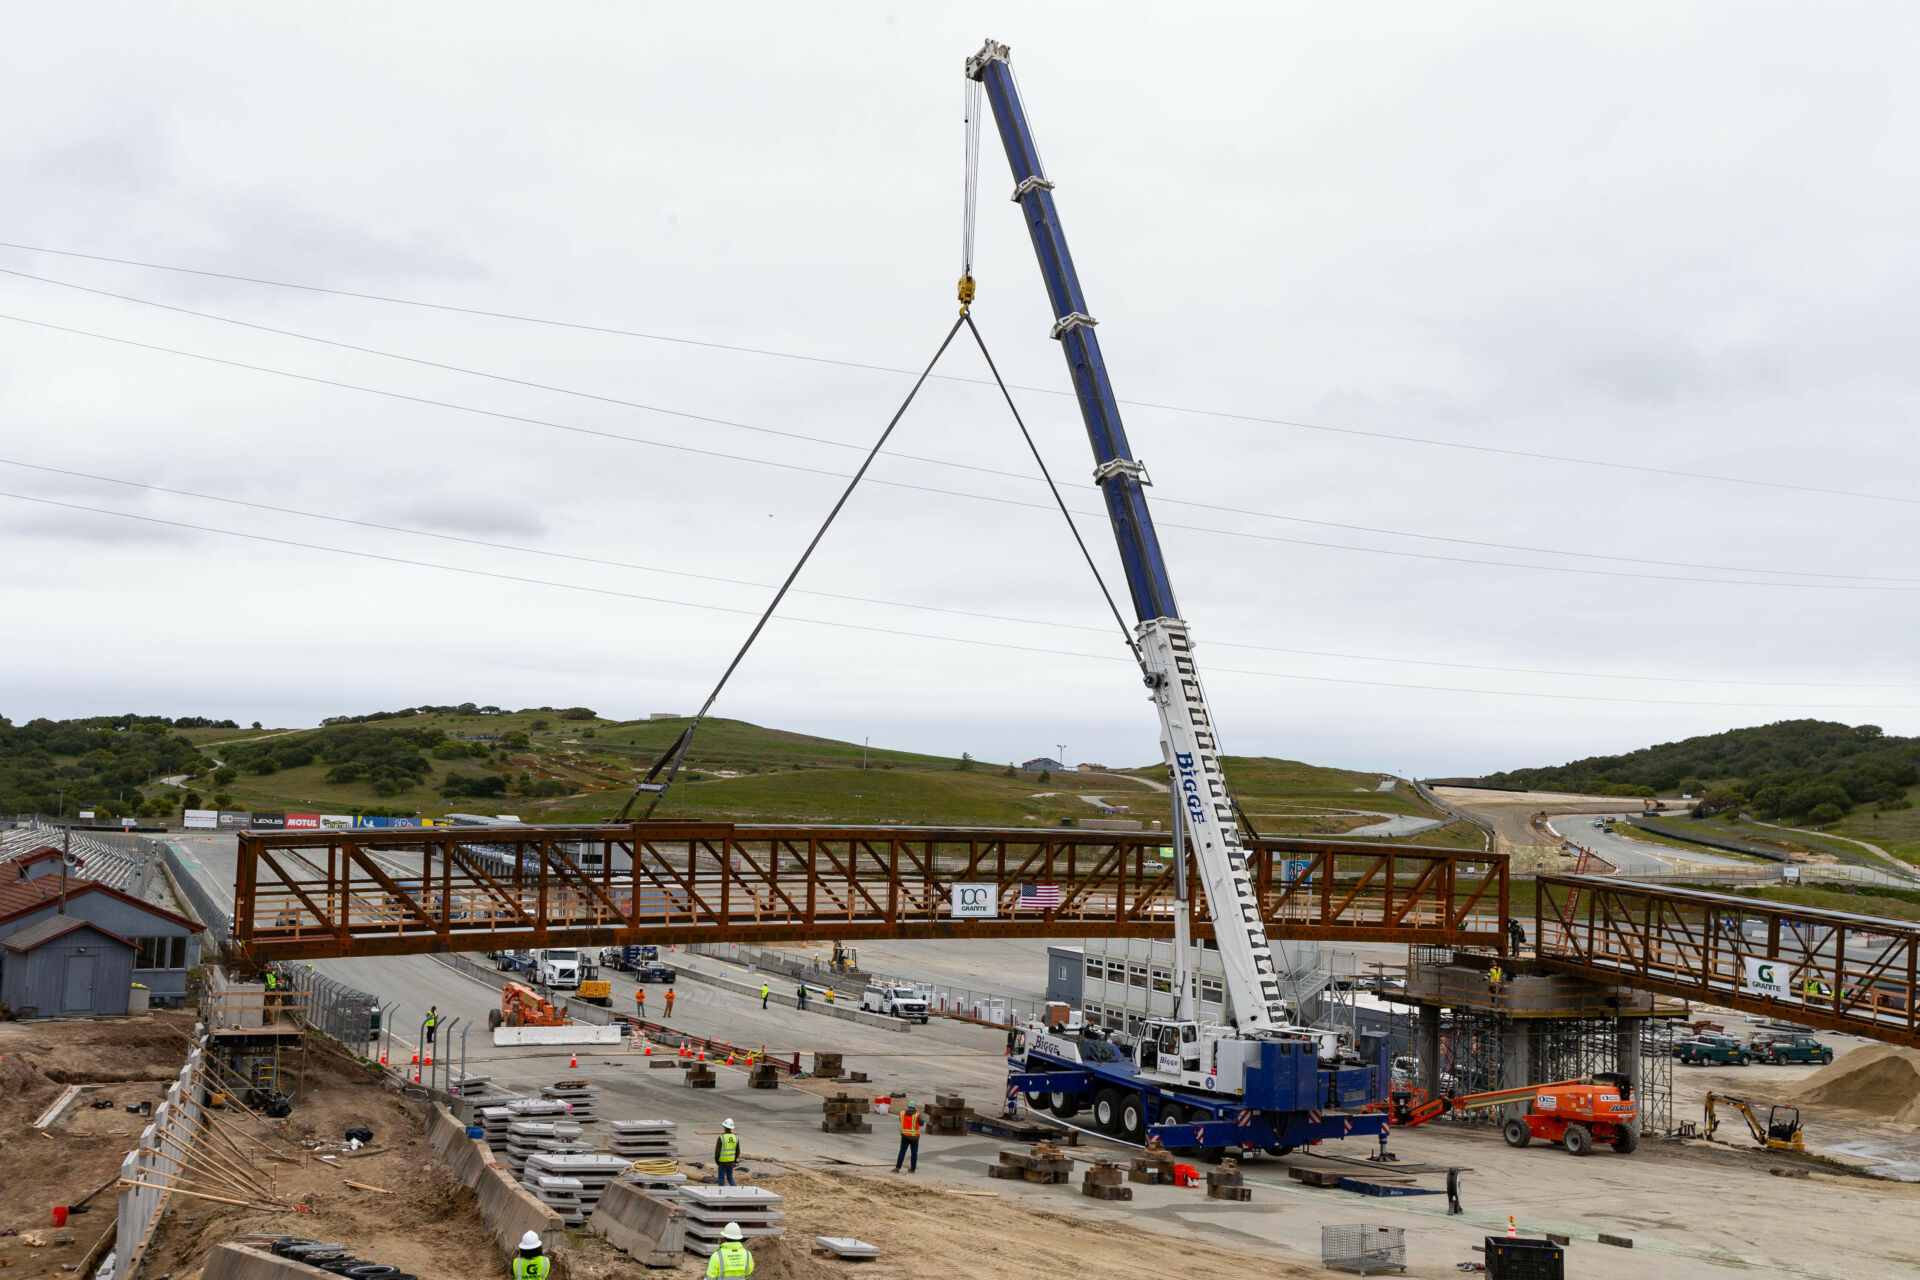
x: 317, y: 894
x: 1829, y: 969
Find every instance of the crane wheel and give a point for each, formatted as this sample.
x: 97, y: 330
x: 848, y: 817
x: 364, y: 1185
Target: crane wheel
x: 1106, y: 1111
x: 493, y: 1019
x: 1517, y: 1134
x: 1627, y: 1143
x: 1064, y: 1105
x: 1133, y: 1118
x: 1578, y: 1141
x: 1038, y: 1101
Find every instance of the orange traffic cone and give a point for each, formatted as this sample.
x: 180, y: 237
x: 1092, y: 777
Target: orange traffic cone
x: 1513, y: 1232
x: 416, y: 1061
x: 647, y: 1052
x: 573, y: 1061
x: 703, y: 1055
x: 383, y: 1057
x: 729, y: 1059
x: 429, y: 1059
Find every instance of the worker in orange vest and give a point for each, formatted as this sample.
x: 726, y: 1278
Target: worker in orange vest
x: 640, y: 1000
x: 910, y: 1125
x: 669, y: 1002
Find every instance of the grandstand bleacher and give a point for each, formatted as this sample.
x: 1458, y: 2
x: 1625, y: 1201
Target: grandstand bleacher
x: 122, y: 869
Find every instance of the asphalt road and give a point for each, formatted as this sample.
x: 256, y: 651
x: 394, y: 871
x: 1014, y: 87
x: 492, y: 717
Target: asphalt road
x: 1636, y: 857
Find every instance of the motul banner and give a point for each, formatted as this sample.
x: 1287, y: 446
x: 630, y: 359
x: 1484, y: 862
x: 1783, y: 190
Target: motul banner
x: 303, y: 822
x: 267, y: 821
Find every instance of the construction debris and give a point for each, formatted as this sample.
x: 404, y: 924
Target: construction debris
x: 845, y: 1248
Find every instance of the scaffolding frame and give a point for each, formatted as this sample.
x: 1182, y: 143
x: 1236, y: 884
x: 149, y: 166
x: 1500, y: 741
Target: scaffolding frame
x: 1473, y: 1048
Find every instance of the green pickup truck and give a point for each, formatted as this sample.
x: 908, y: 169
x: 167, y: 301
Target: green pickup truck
x: 1704, y: 1050
x: 1784, y: 1049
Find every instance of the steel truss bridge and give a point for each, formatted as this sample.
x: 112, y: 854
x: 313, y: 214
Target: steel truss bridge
x: 1828, y: 969
x: 313, y: 895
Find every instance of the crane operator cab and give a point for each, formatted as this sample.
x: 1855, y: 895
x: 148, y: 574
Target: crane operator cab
x: 1170, y: 1048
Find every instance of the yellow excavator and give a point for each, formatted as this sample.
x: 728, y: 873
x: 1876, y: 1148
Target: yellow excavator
x: 1781, y: 1132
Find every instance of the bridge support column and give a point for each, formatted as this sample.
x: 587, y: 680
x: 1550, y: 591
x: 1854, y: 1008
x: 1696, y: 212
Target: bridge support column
x: 1626, y: 1054
x: 1516, y: 1063
x: 1426, y: 1046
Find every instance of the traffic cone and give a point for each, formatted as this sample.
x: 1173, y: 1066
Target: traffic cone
x: 1513, y: 1232
x: 703, y: 1056
x: 416, y: 1060
x: 647, y: 1051
x: 573, y: 1061
x: 729, y: 1059
x: 383, y: 1057
x: 429, y: 1059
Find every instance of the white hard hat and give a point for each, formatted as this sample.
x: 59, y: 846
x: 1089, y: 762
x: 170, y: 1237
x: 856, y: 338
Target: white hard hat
x: 727, y: 1123
x: 731, y: 1231
x: 531, y: 1240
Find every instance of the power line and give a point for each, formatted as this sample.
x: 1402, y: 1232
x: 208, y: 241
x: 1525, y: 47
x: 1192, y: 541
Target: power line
x: 1224, y: 415
x: 939, y: 462
x: 489, y: 544
x: 901, y: 484
x: 921, y: 635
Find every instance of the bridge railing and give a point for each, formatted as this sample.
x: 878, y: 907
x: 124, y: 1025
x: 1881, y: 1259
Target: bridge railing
x: 306, y: 895
x: 1830, y: 969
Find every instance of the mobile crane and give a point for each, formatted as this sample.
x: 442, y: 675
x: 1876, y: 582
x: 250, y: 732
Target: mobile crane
x: 1262, y: 1082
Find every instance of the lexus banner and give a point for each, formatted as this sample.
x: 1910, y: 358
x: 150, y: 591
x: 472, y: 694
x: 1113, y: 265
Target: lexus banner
x: 269, y: 821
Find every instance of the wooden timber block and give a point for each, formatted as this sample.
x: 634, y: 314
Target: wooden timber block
x: 845, y: 1126
x: 1005, y: 1171
x: 1046, y: 1176
x: 1621, y: 1242
x: 666, y: 1064
x: 950, y: 1101
x: 1218, y: 1192
x: 827, y: 1064
x: 857, y: 1077
x: 1100, y: 1191
x: 1221, y: 1178
x: 1316, y: 1177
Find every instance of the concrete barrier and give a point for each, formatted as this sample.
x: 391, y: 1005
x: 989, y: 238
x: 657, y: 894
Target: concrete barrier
x: 575, y: 1034
x: 238, y: 1262
x: 845, y: 1012
x: 651, y: 1230
x: 509, y: 1209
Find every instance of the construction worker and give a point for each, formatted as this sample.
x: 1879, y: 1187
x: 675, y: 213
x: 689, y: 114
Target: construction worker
x: 800, y: 997
x: 910, y: 1125
x: 765, y: 991
x: 433, y: 1021
x: 669, y: 1002
x: 731, y: 1258
x: 1517, y: 932
x: 829, y: 995
x: 640, y: 1001
x: 1494, y: 976
x: 726, y: 1153
x: 531, y: 1263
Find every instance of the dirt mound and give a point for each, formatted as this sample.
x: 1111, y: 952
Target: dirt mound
x: 1877, y: 1080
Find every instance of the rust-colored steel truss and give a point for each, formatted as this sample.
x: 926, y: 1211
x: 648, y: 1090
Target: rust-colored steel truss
x: 392, y: 892
x: 1827, y: 969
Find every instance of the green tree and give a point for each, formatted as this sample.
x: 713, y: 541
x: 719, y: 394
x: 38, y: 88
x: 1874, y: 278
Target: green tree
x: 1825, y: 813
x: 966, y: 762
x: 225, y: 775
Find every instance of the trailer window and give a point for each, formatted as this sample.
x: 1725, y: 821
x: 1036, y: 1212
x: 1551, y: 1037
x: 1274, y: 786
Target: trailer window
x: 1117, y: 971
x: 1163, y: 980
x: 1095, y: 970
x: 1211, y: 991
x: 1137, y: 976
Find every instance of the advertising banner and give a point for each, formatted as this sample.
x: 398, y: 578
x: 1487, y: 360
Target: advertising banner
x: 202, y: 819
x: 267, y: 821
x: 1767, y: 978
x: 303, y: 822
x: 402, y: 822
x: 236, y: 818
x: 372, y: 822
x: 336, y: 822
x: 976, y: 901
x: 87, y: 814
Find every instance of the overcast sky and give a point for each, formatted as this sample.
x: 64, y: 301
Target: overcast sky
x: 1363, y: 260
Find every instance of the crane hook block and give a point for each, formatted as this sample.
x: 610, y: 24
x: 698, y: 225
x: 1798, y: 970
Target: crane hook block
x: 966, y: 290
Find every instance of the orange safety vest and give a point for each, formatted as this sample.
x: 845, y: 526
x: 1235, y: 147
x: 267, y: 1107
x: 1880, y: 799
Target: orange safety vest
x: 910, y: 1124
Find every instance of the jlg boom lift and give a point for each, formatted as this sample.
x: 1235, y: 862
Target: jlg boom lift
x: 1262, y: 1082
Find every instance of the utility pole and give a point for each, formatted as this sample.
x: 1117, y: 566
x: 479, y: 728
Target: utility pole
x: 66, y: 856
x: 1061, y: 747
x: 864, y: 742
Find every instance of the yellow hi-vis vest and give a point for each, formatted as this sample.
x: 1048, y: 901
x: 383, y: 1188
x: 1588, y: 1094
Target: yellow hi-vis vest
x: 729, y: 1148
x: 534, y: 1268
x: 730, y: 1259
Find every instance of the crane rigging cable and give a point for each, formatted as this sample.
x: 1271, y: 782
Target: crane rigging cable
x: 669, y: 763
x: 972, y: 196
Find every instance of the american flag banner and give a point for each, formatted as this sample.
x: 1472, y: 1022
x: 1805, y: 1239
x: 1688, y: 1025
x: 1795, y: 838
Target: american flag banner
x: 1040, y: 897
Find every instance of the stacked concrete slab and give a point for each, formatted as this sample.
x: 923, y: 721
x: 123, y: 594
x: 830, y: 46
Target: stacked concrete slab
x: 593, y: 1171
x: 497, y: 1121
x: 525, y: 1136
x: 641, y: 1139
x: 562, y: 1195
x: 710, y: 1209
x: 584, y: 1098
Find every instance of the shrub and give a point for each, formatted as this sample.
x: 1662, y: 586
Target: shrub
x: 1825, y: 813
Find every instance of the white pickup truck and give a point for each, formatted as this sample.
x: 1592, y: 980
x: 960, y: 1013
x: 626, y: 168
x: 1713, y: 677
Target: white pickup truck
x: 896, y: 1001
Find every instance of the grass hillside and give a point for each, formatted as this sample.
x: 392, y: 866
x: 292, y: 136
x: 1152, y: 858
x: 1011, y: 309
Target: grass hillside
x: 569, y: 765
x: 1846, y: 780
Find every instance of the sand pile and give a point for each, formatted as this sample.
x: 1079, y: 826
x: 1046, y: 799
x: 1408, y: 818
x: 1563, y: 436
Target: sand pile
x: 1876, y: 1079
